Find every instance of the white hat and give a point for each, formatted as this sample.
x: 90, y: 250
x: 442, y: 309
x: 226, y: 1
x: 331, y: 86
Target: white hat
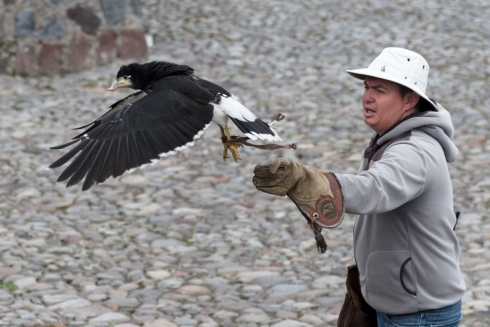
x: 401, y: 66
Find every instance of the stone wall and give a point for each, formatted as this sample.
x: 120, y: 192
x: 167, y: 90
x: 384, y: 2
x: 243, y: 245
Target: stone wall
x: 56, y: 36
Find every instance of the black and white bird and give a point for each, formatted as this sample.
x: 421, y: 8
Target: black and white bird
x: 172, y: 109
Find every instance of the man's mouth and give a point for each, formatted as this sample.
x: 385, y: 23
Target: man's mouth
x: 368, y: 112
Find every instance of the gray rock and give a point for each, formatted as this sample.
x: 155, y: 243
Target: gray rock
x: 260, y: 318
x: 56, y: 298
x: 114, y: 10
x: 61, y: 2
x: 291, y: 323
x: 171, y: 283
x: 136, y: 7
x: 5, y: 296
x: 25, y: 282
x: 54, y: 29
x: 110, y: 317
x: 4, y: 62
x: 70, y: 304
x: 25, y: 23
x: 287, y: 289
x: 185, y: 321
x: 124, y: 302
x: 267, y: 282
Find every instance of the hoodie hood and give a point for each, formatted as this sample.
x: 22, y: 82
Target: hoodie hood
x: 437, y: 124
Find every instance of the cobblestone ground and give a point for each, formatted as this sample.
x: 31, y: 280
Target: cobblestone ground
x: 189, y: 241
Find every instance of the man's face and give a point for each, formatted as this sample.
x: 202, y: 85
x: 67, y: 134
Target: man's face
x: 383, y: 105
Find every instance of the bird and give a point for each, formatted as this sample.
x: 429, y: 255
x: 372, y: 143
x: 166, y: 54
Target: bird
x: 171, y: 109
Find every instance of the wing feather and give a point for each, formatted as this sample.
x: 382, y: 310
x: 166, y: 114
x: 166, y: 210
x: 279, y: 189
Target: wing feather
x: 133, y: 152
x: 160, y: 143
x: 64, y: 145
x: 95, y: 169
x: 109, y: 162
x: 122, y: 163
x: 75, y: 164
x: 70, y: 154
x: 147, y: 152
x: 134, y: 132
x: 87, y: 157
x: 185, y: 129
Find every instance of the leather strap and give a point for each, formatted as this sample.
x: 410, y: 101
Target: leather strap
x: 329, y: 211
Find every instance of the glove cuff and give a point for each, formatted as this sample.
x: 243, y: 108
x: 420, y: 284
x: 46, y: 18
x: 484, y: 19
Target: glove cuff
x: 328, y: 209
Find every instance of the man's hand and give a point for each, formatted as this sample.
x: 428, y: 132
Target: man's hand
x: 277, y: 177
x: 317, y: 194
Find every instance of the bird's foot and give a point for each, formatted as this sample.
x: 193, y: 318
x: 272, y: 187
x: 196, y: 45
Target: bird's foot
x: 232, y: 146
x: 234, y: 151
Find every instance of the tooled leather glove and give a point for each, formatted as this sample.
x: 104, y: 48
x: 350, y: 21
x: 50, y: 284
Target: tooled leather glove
x: 317, y: 194
x: 303, y: 184
x: 278, y: 177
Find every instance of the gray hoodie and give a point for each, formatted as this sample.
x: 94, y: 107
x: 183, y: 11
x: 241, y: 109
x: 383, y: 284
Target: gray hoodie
x: 404, y: 244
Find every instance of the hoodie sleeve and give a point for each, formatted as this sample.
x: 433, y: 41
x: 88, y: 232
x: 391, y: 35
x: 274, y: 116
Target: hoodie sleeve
x: 398, y: 177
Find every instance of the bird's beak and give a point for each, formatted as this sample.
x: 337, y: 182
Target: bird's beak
x: 114, y: 86
x: 120, y: 83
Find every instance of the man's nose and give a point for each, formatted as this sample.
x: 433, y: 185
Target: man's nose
x: 368, y: 96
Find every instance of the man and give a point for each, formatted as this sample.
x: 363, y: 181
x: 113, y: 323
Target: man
x: 404, y: 244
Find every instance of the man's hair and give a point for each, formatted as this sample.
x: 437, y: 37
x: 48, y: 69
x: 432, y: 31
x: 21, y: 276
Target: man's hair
x: 403, y: 90
x: 421, y: 106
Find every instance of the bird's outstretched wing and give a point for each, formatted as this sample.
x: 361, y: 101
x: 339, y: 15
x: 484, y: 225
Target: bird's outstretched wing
x: 133, y: 97
x: 133, y: 134
x: 252, y: 126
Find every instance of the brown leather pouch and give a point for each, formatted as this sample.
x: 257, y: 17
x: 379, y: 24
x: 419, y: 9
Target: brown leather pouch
x: 356, y: 312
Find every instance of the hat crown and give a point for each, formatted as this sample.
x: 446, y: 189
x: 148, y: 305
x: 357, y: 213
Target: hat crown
x: 403, y: 65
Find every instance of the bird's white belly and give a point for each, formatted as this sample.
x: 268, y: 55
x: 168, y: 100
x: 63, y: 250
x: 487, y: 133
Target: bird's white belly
x: 219, y: 116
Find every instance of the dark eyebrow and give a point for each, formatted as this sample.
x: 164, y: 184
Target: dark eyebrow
x: 379, y: 86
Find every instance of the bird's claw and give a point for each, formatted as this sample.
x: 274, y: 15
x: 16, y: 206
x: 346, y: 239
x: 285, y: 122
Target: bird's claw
x: 234, y: 152
x: 232, y: 146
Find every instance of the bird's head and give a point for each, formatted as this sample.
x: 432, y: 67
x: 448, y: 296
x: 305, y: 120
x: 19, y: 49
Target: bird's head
x: 143, y: 76
x: 128, y: 76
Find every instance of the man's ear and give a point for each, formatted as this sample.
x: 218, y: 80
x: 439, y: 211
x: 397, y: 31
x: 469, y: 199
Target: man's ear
x: 411, y: 100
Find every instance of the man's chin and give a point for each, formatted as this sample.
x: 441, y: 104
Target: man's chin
x: 368, y: 121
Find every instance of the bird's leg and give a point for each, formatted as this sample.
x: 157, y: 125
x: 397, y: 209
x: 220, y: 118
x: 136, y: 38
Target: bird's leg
x: 225, y: 137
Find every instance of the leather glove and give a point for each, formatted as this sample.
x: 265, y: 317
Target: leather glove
x: 317, y: 194
x: 278, y: 177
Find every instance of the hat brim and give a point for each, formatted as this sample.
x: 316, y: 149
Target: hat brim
x: 363, y: 72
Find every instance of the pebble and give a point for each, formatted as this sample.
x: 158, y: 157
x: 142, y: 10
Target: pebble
x: 193, y: 290
x: 25, y: 282
x: 287, y: 289
x: 124, y: 302
x: 158, y: 274
x: 160, y: 323
x: 111, y: 317
x: 189, y: 241
x: 56, y: 298
x: 291, y: 323
x: 70, y: 304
